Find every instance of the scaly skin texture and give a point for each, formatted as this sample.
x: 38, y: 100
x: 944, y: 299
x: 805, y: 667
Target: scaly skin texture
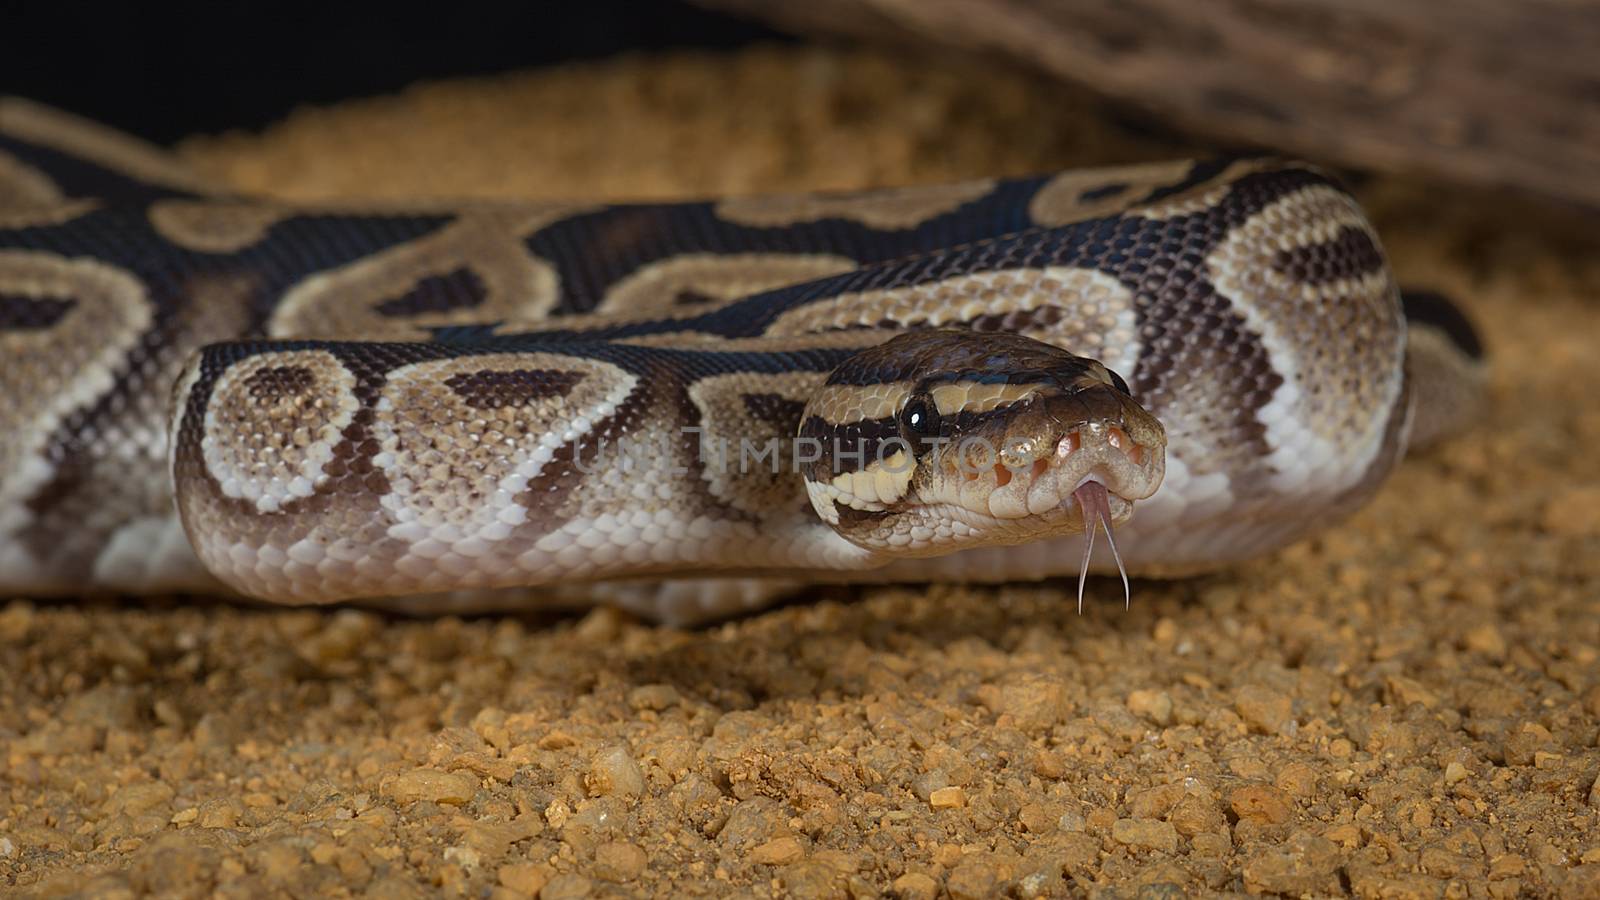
x: 1247, y: 303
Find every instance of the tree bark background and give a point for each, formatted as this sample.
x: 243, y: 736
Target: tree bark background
x: 1499, y: 92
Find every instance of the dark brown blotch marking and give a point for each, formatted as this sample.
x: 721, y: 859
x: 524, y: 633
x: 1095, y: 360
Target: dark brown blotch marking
x: 1018, y: 319
x: 691, y: 297
x: 495, y: 389
x: 1102, y: 192
x: 353, y: 458
x: 274, y: 383
x: 459, y: 288
x: 1351, y: 254
x: 775, y: 411
x: 68, y: 478
x: 19, y: 313
x: 66, y: 511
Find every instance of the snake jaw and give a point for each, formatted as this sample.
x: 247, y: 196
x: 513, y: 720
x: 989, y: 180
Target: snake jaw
x: 1107, y: 454
x: 1092, y: 479
x: 1043, y: 484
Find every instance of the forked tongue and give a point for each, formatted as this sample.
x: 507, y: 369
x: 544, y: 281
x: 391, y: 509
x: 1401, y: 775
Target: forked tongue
x: 1096, y: 508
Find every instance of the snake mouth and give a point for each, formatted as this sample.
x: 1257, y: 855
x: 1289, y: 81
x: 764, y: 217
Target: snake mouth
x: 1045, y: 479
x: 1116, y: 470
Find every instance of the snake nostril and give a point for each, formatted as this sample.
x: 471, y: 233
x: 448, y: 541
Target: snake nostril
x: 1068, y: 446
x: 1118, y: 438
x: 1113, y: 435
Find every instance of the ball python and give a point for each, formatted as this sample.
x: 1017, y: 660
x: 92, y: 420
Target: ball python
x: 320, y: 403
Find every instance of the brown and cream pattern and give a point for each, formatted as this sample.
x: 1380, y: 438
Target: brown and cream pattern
x: 747, y: 420
x: 1075, y: 196
x: 28, y: 199
x: 1080, y: 309
x: 24, y: 186
x: 272, y: 425
x: 1248, y: 305
x: 703, y: 277
x: 215, y: 226
x: 1326, y: 315
x: 888, y: 210
x: 474, y: 269
x: 71, y: 325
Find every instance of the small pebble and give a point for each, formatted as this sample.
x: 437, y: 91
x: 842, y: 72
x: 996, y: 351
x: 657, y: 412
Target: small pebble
x: 1211, y: 845
x: 1297, y: 779
x: 1574, y: 512
x: 524, y: 878
x: 947, y: 798
x: 619, y: 861
x: 777, y: 852
x: 1151, y: 834
x: 15, y: 620
x: 1194, y: 815
x: 809, y: 879
x: 1164, y: 632
x: 1153, y: 705
x: 1260, y: 803
x: 1039, y: 818
x: 1263, y: 709
x: 1508, y: 865
x: 1306, y: 866
x: 974, y: 878
x: 567, y: 886
x: 753, y: 822
x: 916, y: 886
x: 653, y: 697
x: 451, y: 788
x: 1347, y: 836
x: 1488, y: 640
x: 613, y: 771
x: 1030, y: 703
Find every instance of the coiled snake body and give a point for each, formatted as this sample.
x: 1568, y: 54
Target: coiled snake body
x: 374, y: 402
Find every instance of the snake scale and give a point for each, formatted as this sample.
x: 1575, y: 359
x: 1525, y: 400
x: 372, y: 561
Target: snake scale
x: 313, y: 404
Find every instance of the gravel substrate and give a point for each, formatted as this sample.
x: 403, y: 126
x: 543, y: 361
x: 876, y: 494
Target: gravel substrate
x: 1404, y: 707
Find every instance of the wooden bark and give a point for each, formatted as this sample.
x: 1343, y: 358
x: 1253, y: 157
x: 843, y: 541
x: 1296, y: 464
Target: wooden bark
x: 1486, y: 91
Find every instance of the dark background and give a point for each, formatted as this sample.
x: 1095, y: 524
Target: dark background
x: 164, y: 70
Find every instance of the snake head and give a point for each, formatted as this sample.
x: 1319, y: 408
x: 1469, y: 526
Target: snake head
x: 936, y: 441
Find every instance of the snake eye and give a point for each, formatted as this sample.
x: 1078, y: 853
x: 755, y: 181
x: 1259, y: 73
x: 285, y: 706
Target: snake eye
x: 919, y: 419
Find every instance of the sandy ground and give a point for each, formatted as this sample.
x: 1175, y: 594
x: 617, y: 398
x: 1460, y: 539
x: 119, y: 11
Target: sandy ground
x: 1405, y: 707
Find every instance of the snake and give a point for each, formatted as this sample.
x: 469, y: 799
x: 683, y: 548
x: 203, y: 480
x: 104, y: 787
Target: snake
x: 679, y: 406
